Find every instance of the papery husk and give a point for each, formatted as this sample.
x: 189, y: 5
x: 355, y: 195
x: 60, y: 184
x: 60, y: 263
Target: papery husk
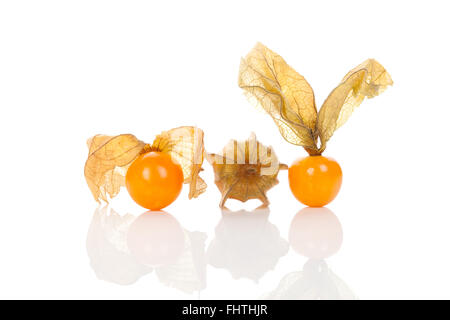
x: 110, y: 156
x: 245, y: 170
x: 185, y: 145
x: 288, y: 98
x: 283, y: 93
x: 108, y: 160
x: 369, y: 79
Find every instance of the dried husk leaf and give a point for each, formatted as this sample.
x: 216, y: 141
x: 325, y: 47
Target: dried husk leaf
x: 245, y: 170
x: 110, y: 156
x: 369, y: 79
x: 288, y: 98
x: 185, y: 145
x: 283, y: 93
x: 108, y: 161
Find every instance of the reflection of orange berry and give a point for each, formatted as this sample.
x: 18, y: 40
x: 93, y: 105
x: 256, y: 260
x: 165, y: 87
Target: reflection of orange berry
x: 155, y: 239
x: 315, y: 233
x: 154, y: 180
x: 315, y: 180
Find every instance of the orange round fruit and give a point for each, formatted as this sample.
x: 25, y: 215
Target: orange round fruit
x: 315, y: 180
x: 154, y: 180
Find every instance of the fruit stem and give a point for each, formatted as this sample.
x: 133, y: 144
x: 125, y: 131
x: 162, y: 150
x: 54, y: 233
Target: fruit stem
x: 313, y: 152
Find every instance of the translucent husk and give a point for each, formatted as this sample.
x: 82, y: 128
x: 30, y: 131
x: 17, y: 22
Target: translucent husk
x: 245, y: 170
x: 110, y: 156
x: 288, y: 98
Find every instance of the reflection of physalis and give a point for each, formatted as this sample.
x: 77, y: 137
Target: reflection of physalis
x: 317, y: 234
x: 315, y: 282
x: 107, y: 248
x: 245, y: 170
x: 122, y: 249
x: 111, y: 156
x: 246, y: 244
x: 188, y: 273
x: 158, y: 240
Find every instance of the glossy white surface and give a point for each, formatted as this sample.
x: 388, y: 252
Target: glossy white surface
x: 69, y: 70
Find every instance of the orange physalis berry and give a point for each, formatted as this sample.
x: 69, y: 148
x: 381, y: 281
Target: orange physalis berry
x: 154, y: 180
x: 315, y: 180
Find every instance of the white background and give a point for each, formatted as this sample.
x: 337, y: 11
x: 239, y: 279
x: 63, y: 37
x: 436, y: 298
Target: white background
x: 72, y: 69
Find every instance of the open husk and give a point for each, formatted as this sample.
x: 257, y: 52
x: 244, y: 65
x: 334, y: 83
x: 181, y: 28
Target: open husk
x: 288, y: 98
x: 245, y: 170
x: 110, y: 156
